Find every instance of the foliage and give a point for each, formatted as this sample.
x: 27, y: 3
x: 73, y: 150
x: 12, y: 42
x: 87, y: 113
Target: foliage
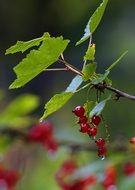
x: 41, y: 54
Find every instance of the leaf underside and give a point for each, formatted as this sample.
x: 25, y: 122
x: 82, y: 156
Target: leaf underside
x: 93, y: 22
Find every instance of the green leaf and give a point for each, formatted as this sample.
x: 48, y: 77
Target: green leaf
x: 97, y: 16
x: 75, y: 83
x: 93, y: 22
x: 99, y: 108
x: 89, y: 70
x: 56, y: 102
x: 89, y: 105
x: 59, y: 100
x: 90, y: 53
x: 38, y: 60
x: 117, y: 61
x: 100, y: 78
x: 16, y: 113
x: 23, y: 46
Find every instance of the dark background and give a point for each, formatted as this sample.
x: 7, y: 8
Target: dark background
x: 25, y: 20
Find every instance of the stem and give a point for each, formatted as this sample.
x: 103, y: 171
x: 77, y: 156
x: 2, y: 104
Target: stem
x: 71, y: 67
x: 90, y: 42
x: 120, y: 93
x: 57, y: 69
x: 83, y: 87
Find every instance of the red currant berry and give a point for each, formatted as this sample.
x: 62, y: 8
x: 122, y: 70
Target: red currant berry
x: 100, y: 142
x: 132, y: 140
x: 96, y: 120
x: 92, y: 131
x: 79, y: 111
x: 82, y: 119
x: 129, y: 169
x: 101, y: 151
x: 84, y: 127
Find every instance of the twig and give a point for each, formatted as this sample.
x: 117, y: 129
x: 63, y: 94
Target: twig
x: 57, y: 69
x: 120, y: 93
x: 71, y: 67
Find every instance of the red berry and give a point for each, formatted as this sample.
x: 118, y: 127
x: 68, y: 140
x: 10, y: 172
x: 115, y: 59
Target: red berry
x: 100, y: 142
x: 40, y: 132
x: 96, y: 120
x: 51, y: 145
x: 79, y: 111
x: 82, y: 119
x: 92, y: 131
x: 129, y: 169
x: 84, y: 127
x: 101, y: 151
x: 110, y: 178
x: 132, y: 140
x: 11, y: 177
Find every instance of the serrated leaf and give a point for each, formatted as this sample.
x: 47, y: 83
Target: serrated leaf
x: 117, y: 61
x: 90, y: 53
x: 23, y: 46
x: 75, y: 83
x: 59, y: 100
x: 89, y: 70
x: 56, y: 102
x: 93, y: 22
x: 16, y: 113
x: 38, y: 60
x: 99, y: 108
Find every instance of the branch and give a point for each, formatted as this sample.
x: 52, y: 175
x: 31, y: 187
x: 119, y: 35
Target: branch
x: 120, y: 93
x: 71, y: 67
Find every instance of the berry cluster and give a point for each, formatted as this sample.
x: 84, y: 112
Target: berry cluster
x: 67, y: 169
x: 8, y: 178
x: 43, y: 133
x: 90, y: 128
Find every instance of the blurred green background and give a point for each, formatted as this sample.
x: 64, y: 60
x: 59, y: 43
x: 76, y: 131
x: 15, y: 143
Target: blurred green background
x: 25, y: 20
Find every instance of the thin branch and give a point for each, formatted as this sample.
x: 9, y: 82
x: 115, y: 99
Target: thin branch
x: 57, y: 69
x: 120, y: 93
x: 71, y: 67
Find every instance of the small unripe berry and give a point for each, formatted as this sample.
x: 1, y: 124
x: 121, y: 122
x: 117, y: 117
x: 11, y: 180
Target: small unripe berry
x: 84, y: 127
x: 100, y: 142
x: 83, y: 120
x: 96, y: 120
x: 92, y: 131
x: 79, y: 111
